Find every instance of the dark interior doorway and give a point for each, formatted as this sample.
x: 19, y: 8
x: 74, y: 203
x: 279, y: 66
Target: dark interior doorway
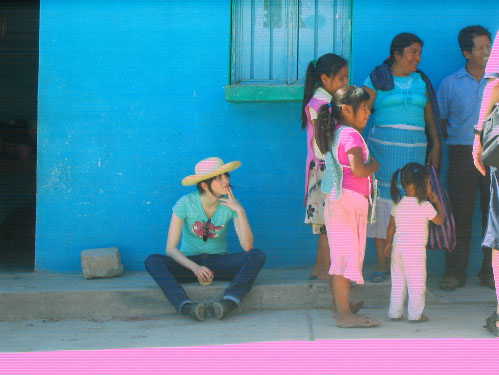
x: 19, y: 34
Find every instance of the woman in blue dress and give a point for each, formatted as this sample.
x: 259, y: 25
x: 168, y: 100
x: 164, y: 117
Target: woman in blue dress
x: 405, y: 113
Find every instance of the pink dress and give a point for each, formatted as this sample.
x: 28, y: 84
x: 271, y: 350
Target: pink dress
x: 346, y: 218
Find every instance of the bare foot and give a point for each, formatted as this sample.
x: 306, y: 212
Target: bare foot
x: 356, y: 321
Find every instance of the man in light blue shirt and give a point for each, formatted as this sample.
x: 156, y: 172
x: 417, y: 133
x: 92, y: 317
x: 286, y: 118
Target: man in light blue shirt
x: 459, y: 98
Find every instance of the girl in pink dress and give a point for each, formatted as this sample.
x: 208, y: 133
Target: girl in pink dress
x: 347, y: 182
x: 324, y: 77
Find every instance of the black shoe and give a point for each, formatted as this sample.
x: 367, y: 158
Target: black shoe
x: 223, y: 308
x: 194, y: 310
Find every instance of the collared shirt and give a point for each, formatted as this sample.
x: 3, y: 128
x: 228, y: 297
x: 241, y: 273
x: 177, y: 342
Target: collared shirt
x: 459, y: 98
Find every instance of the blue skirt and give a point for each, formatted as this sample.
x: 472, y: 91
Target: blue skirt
x: 393, y: 148
x: 491, y: 238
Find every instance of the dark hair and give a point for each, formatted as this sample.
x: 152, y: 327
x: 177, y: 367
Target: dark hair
x: 328, y: 113
x: 209, y: 181
x: 328, y: 64
x: 466, y: 36
x: 401, y: 41
x: 412, y: 173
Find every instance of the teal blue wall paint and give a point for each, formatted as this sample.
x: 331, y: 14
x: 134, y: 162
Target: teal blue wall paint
x: 131, y: 96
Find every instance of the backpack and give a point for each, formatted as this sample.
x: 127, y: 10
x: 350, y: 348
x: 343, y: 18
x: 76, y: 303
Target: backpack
x: 489, y: 138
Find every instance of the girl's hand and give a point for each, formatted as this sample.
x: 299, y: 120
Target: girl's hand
x: 433, y: 197
x: 388, y: 250
x: 231, y: 201
x: 374, y: 165
x: 204, y: 274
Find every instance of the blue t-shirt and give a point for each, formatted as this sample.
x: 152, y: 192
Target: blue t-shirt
x: 404, y: 104
x: 190, y: 210
x: 459, y: 99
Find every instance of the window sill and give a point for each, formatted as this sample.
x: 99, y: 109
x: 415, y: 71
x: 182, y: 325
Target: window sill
x: 269, y: 93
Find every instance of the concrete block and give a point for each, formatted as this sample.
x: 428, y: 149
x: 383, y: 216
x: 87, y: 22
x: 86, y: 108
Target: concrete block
x: 104, y: 262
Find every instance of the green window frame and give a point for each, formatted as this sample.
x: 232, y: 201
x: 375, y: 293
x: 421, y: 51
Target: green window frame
x: 273, y: 41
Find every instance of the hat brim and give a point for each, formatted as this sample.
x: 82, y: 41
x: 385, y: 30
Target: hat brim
x: 195, y: 178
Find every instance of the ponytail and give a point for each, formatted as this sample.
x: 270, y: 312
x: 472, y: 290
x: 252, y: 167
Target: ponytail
x: 308, y: 92
x: 394, y: 189
x: 324, y: 128
x: 332, y: 113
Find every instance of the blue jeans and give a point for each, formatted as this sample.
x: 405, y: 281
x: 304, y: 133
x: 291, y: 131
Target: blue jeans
x: 239, y: 268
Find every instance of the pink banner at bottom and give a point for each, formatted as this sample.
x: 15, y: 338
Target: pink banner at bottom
x: 435, y: 356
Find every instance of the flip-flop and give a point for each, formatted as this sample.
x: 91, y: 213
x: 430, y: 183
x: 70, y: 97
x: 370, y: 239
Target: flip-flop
x: 396, y: 319
x: 422, y: 319
x: 367, y: 323
x: 377, y: 277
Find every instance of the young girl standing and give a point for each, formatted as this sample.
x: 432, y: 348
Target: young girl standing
x: 408, y: 229
x: 347, y: 183
x: 324, y: 77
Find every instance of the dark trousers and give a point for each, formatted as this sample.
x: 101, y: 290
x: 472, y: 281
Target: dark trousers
x: 239, y: 268
x: 464, y: 181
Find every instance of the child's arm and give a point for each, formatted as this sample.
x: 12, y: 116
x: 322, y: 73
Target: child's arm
x: 439, y: 219
x: 356, y: 159
x: 389, y: 236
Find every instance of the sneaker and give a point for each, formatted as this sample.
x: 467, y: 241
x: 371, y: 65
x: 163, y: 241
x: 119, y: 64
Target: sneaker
x: 194, y: 310
x: 223, y: 308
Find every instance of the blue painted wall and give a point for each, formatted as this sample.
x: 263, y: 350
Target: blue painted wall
x: 437, y: 24
x: 131, y: 96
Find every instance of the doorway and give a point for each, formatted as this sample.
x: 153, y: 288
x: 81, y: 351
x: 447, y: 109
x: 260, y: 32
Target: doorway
x: 19, y: 34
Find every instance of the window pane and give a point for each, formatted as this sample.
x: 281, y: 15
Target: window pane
x: 274, y: 40
x: 324, y: 27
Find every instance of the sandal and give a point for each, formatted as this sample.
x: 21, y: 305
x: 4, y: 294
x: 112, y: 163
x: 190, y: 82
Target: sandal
x: 449, y: 283
x: 490, y: 324
x: 422, y: 319
x: 377, y: 277
x: 490, y: 283
x: 366, y: 323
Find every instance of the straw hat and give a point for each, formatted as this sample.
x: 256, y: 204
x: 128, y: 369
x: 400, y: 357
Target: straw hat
x: 208, y: 168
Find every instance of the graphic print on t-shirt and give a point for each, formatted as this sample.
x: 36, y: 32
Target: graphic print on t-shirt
x: 199, y: 229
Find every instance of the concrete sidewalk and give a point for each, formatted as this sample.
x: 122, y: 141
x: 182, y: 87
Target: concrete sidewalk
x: 136, y: 296
x: 45, y: 312
x: 174, y: 330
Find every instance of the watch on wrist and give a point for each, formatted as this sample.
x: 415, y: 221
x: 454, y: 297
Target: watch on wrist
x: 476, y: 130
